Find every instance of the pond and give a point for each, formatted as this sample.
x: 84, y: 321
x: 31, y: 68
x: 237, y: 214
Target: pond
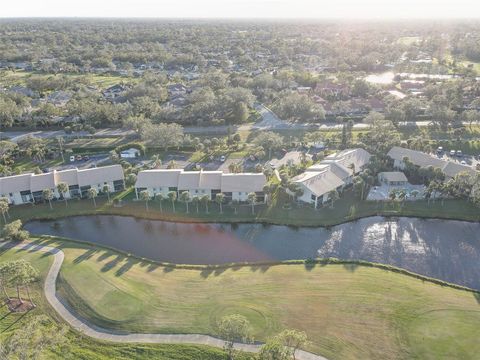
x: 447, y: 250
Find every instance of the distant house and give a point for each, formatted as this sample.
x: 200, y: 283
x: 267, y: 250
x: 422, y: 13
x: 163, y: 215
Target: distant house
x: 27, y: 188
x: 331, y: 89
x: 200, y: 183
x: 421, y: 159
x: 333, y: 173
x: 130, y: 153
x: 392, y: 178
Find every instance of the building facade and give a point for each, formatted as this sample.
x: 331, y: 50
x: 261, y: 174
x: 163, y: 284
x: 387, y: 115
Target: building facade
x: 200, y: 183
x: 28, y: 188
x: 335, y: 172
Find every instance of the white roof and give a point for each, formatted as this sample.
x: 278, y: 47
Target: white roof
x: 319, y: 183
x: 422, y: 159
x: 396, y: 176
x: 39, y: 182
x: 244, y: 182
x: 158, y: 177
x: 191, y: 180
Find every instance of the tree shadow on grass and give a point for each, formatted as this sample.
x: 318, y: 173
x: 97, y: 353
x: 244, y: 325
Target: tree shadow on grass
x: 152, y: 267
x: 310, y: 265
x: 85, y: 256
x: 350, y: 267
x: 112, y: 263
x: 104, y: 256
x: 477, y: 297
x: 16, y: 320
x: 205, y: 273
x: 126, y: 266
x: 262, y: 268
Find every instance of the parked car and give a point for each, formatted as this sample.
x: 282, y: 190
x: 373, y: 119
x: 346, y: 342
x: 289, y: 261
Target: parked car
x: 463, y: 162
x: 452, y: 152
x: 78, y: 157
x: 440, y: 150
x: 223, y: 158
x: 86, y: 158
x: 459, y: 153
x: 72, y: 158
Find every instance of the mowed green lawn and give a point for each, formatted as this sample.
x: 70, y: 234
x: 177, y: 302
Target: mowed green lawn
x: 80, y: 347
x: 348, y: 312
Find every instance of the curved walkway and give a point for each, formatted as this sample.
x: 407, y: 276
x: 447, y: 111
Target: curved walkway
x: 107, y: 335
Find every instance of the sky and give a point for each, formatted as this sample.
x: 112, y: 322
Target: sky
x: 285, y: 9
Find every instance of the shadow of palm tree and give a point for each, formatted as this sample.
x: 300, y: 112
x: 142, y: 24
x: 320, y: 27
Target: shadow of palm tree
x: 112, y: 263
x: 85, y: 256
x: 126, y: 266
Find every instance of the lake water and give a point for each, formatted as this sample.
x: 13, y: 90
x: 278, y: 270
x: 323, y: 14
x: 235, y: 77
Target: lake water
x: 447, y: 250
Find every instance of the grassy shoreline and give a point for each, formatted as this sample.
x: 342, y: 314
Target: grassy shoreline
x: 56, y: 241
x: 349, y: 311
x: 347, y: 209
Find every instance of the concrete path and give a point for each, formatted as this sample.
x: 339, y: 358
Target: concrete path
x: 99, y: 333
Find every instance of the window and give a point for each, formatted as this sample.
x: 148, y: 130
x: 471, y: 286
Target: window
x: 313, y: 197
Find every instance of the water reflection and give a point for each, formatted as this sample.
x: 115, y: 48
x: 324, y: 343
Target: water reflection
x: 448, y: 250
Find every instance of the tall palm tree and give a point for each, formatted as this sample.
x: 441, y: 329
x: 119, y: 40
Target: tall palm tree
x: 172, y: 195
x: 145, y: 196
x: 196, y: 201
x: 205, y: 199
x: 4, y: 209
x: 235, y: 203
x: 219, y: 199
x: 92, y: 194
x: 62, y: 189
x: 252, y: 199
x: 156, y: 161
x: 47, y: 194
x: 160, y: 198
x: 185, y: 198
x: 106, y: 189
x: 334, y: 196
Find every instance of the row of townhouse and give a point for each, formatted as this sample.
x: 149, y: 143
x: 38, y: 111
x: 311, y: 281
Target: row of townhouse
x: 28, y: 188
x: 335, y: 172
x: 423, y: 160
x: 200, y: 183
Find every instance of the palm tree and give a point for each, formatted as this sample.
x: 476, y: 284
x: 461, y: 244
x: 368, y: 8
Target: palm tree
x: 62, y: 189
x: 392, y: 195
x: 47, y: 194
x: 4, y: 209
x: 172, y: 195
x: 61, y: 142
x: 106, y: 190
x: 196, y: 201
x: 156, y: 161
x: 235, y: 203
x: 185, y: 198
x: 219, y: 199
x: 334, y: 196
x: 145, y: 196
x: 252, y: 199
x: 205, y: 199
x: 92, y: 194
x: 415, y: 193
x: 359, y: 185
x: 160, y: 198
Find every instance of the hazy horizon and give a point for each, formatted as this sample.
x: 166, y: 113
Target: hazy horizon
x: 247, y: 9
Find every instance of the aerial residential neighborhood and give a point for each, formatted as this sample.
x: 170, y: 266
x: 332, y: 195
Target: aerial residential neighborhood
x: 234, y: 180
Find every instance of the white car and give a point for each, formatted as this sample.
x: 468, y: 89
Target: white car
x: 463, y: 162
x: 72, y: 158
x: 223, y: 158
